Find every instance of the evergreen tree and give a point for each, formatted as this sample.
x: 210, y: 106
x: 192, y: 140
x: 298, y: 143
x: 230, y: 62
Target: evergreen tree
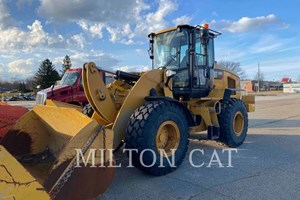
x: 46, y: 75
x: 67, y: 64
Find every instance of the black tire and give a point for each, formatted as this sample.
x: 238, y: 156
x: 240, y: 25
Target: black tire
x: 142, y: 133
x: 88, y: 110
x: 233, y: 121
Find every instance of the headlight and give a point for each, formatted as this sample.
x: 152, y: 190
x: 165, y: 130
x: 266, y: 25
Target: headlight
x: 41, y: 98
x: 170, y: 73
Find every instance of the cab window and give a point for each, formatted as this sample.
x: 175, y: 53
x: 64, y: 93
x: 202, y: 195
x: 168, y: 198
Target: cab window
x: 70, y: 78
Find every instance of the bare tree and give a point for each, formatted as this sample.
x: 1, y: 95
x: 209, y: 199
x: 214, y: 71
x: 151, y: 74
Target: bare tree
x: 261, y: 76
x: 233, y: 66
x: 30, y: 83
x: 261, y: 79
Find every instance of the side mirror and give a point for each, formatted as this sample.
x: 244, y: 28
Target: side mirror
x: 151, y: 41
x: 150, y: 52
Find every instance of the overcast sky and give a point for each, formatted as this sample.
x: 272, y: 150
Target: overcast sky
x: 113, y: 33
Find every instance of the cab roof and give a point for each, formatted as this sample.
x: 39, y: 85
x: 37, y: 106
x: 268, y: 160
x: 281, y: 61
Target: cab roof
x: 212, y: 32
x: 170, y: 29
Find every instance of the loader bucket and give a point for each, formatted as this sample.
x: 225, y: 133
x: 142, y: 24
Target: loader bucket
x: 16, y: 182
x: 62, y: 104
x: 45, y: 140
x: 45, y: 127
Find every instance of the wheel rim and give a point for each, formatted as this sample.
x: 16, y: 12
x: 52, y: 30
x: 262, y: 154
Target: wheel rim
x: 238, y: 123
x: 167, y: 137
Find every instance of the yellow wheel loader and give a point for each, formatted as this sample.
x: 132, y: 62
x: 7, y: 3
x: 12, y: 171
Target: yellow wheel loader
x: 186, y: 92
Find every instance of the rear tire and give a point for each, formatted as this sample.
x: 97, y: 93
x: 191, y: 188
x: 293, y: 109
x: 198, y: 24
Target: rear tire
x: 233, y: 121
x: 153, y: 126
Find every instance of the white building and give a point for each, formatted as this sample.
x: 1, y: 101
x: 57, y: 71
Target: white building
x: 291, y: 88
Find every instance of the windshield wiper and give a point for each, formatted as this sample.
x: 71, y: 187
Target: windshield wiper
x: 172, y: 59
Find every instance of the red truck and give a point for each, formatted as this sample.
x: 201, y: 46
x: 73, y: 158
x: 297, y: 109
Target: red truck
x: 69, y: 90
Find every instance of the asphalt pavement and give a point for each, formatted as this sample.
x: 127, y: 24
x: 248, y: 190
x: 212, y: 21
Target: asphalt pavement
x: 266, y: 166
x: 27, y: 104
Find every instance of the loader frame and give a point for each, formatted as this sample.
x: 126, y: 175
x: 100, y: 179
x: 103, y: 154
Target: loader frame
x: 147, y: 110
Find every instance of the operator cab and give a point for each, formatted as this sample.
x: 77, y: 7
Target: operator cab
x: 188, y: 51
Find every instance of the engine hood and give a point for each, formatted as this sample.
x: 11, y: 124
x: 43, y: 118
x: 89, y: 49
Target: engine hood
x: 56, y: 89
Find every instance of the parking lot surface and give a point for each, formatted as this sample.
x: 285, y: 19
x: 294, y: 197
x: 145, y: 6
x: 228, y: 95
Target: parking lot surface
x: 266, y: 166
x: 26, y: 104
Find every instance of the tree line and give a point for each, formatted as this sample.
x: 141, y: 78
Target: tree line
x: 46, y: 76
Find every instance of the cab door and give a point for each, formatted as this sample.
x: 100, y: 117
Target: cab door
x: 202, y: 66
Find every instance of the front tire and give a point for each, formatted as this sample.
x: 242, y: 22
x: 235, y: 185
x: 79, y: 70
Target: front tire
x: 153, y: 126
x: 233, y: 121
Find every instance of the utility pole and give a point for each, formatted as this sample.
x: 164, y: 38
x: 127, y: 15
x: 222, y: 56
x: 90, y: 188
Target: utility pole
x: 258, y: 77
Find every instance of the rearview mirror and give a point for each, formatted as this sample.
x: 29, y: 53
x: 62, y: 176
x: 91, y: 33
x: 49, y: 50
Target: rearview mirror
x: 151, y: 41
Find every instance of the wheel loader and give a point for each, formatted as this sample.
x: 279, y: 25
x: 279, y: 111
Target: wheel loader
x: 186, y: 92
